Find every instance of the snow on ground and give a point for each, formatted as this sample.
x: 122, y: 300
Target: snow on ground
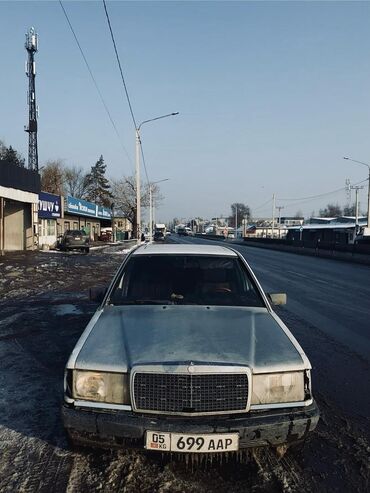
x: 67, y: 309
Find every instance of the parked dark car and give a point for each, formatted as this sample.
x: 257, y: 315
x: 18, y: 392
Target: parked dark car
x: 186, y: 354
x: 75, y: 239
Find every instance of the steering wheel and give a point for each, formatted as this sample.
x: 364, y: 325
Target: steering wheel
x: 222, y: 290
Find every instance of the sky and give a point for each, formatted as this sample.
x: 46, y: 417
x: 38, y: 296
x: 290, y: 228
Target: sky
x: 270, y: 95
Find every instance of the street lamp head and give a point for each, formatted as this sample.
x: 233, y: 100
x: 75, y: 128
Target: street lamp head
x: 346, y: 158
x: 176, y: 113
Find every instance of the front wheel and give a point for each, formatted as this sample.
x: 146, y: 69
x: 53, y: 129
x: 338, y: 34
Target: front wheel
x: 87, y: 249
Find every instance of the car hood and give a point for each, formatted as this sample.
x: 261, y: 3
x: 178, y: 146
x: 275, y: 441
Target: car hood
x: 121, y: 337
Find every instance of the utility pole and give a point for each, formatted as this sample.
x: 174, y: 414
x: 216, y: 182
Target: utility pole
x: 31, y: 46
x: 280, y: 207
x: 138, y: 188
x: 273, y: 215
x: 368, y: 186
x: 150, y: 213
x: 356, y: 188
x: 236, y: 221
x: 137, y: 171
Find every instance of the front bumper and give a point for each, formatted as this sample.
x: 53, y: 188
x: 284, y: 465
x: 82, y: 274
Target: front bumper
x: 127, y: 429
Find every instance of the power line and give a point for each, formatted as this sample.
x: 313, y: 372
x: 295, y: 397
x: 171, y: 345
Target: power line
x: 318, y: 196
x: 305, y: 200
x: 94, y: 81
x: 260, y: 206
x: 144, y: 163
x: 125, y: 86
x: 119, y: 65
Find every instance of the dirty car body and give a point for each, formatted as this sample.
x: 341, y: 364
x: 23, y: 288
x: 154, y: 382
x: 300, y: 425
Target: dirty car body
x: 185, y: 354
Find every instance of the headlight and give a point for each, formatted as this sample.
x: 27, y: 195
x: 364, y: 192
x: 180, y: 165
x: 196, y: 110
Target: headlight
x: 273, y: 388
x: 101, y: 387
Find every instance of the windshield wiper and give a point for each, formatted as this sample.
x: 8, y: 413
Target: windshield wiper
x: 144, y: 302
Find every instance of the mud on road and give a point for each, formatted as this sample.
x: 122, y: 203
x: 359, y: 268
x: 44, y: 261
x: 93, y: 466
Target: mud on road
x: 44, y: 307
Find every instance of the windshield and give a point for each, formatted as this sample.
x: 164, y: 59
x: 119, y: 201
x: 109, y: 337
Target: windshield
x: 187, y: 280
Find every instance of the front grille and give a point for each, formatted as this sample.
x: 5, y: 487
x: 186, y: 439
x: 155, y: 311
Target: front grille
x: 183, y: 393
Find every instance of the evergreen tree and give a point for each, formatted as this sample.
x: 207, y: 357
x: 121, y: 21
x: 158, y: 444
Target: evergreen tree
x: 98, y: 186
x: 11, y: 155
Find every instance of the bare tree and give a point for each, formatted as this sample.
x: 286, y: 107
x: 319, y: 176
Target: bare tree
x: 52, y: 177
x: 241, y: 211
x: 124, y: 197
x: 349, y: 210
x: 331, y: 210
x: 75, y: 181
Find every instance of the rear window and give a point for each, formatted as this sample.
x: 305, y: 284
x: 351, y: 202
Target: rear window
x: 187, y: 280
x: 75, y: 232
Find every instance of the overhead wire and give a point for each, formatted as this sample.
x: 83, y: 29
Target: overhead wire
x: 94, y: 81
x: 119, y: 65
x: 125, y: 87
x: 322, y: 194
x: 305, y: 200
x: 263, y: 205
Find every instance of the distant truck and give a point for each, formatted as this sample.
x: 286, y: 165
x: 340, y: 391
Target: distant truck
x: 160, y: 228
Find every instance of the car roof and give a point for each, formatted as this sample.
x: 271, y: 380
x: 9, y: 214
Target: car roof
x: 181, y: 249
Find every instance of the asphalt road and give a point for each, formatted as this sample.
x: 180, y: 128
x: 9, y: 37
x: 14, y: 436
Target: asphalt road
x: 328, y: 311
x: 44, y: 308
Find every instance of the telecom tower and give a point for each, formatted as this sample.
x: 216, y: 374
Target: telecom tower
x: 31, y: 47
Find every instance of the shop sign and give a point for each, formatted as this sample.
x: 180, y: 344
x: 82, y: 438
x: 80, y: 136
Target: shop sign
x: 80, y: 207
x: 104, y: 212
x: 49, y: 205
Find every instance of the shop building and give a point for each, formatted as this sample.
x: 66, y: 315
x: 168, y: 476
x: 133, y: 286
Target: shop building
x: 50, y: 210
x: 80, y: 214
x: 19, y: 189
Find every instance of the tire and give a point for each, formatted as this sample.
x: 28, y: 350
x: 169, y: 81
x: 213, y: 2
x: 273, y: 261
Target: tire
x: 87, y: 249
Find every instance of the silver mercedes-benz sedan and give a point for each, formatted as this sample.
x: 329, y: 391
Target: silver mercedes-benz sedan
x: 185, y: 354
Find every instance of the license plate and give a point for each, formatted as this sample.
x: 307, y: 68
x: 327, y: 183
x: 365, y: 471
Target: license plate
x: 180, y: 442
x: 77, y: 238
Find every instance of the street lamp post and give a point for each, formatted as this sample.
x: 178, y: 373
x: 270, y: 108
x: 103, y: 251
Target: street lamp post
x: 368, y: 189
x: 137, y: 167
x: 151, y: 206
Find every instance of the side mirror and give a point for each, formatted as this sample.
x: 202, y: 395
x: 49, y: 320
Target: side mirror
x: 97, y: 294
x: 277, y: 298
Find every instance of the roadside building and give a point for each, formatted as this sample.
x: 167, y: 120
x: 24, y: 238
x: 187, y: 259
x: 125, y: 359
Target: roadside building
x: 262, y: 228
x: 19, y: 189
x: 80, y: 214
x: 338, y: 230
x: 122, y: 228
x: 50, y: 210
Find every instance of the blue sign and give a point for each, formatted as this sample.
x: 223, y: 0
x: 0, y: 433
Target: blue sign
x: 80, y: 207
x: 104, y: 212
x: 50, y: 205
